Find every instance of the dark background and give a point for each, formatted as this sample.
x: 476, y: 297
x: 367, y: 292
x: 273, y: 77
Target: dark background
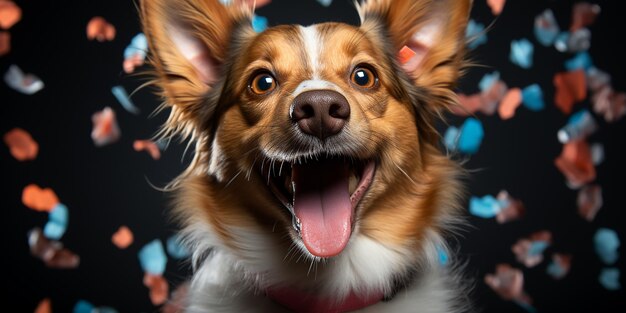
x: 111, y: 186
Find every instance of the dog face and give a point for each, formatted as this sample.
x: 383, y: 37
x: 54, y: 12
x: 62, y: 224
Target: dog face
x: 314, y: 135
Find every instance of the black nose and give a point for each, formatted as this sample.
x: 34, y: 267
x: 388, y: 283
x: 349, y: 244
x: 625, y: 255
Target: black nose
x: 320, y: 113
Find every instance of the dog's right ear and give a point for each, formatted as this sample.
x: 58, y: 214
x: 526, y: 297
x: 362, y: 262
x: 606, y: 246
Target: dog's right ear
x: 189, y: 40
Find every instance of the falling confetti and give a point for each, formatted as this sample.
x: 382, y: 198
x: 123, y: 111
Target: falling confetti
x: 522, y: 53
x: 135, y: 53
x: 51, y: 252
x: 475, y: 34
x: 508, y: 283
x: 510, y: 102
x: 609, y: 278
x: 10, y: 14
x: 512, y: 209
x: 122, y: 97
x: 325, y: 3
x: 57, y: 222
x: 579, y: 126
x: 83, y: 306
x: 148, y: 146
x: 496, y: 6
x: 152, y: 258
x: 105, y: 129
x: 159, y: 289
x: 39, y: 199
x: 589, y: 201
x: 529, y: 251
x: 5, y: 43
x: 570, y: 88
x: 44, y: 306
x: 27, y: 84
x: 21, y: 144
x: 175, y: 248
x: 467, y: 139
x: 99, y: 29
x: 583, y: 15
x: 259, y: 23
x: 606, y: 244
x: 560, y: 265
x: 532, y: 98
x: 123, y: 237
x: 576, y: 164
x: 546, y: 28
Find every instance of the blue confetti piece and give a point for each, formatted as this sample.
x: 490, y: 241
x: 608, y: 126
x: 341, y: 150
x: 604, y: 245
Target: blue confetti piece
x: 546, y: 28
x: 122, y: 97
x: 175, y: 247
x: 488, y: 80
x: 485, y: 207
x: 532, y: 98
x: 83, y: 306
x: 555, y: 270
x: 57, y: 222
x: 325, y: 3
x: 450, y: 138
x: 471, y: 135
x: 582, y: 60
x: 443, y: 255
x: 580, y: 125
x: 475, y: 34
x: 526, y: 306
x: 152, y: 258
x: 259, y: 23
x: 609, y: 278
x: 522, y: 53
x: 606, y: 243
x: 537, y: 247
x: 138, y: 45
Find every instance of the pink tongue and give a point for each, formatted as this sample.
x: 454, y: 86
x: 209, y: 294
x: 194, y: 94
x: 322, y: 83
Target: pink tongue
x: 322, y: 203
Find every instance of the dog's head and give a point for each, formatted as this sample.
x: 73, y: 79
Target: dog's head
x: 318, y: 132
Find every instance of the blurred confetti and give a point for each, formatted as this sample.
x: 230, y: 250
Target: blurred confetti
x: 522, y: 53
x: 485, y: 207
x: 122, y: 97
x: 152, y: 258
x: 579, y: 126
x: 123, y: 237
x: 589, y: 201
x: 57, y: 222
x: 27, y: 84
x: 532, y: 98
x: 529, y: 251
x: 570, y: 88
x: 175, y: 248
x: 475, y: 34
x: 560, y: 265
x: 467, y: 139
x: 51, y: 252
x: 325, y: 3
x: 99, y: 29
x: 576, y: 164
x: 148, y: 146
x: 10, y: 14
x: 512, y: 209
x: 83, y: 306
x: 609, y: 278
x: 546, y: 28
x: 159, y: 289
x: 508, y: 283
x: 496, y: 6
x: 583, y: 15
x: 5, y: 43
x: 39, y: 199
x: 510, y: 102
x: 259, y: 23
x: 135, y: 53
x: 405, y: 55
x: 21, y: 145
x: 105, y: 129
x: 606, y: 244
x: 44, y: 306
x: 580, y: 61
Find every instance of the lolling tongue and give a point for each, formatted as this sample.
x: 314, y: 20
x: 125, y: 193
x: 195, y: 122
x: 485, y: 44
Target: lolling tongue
x: 322, y: 203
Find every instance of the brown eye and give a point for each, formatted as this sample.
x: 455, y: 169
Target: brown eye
x: 364, y: 77
x: 262, y: 83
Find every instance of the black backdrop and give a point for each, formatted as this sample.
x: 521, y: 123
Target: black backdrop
x: 109, y: 186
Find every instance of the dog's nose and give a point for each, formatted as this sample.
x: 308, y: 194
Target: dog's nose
x: 320, y: 113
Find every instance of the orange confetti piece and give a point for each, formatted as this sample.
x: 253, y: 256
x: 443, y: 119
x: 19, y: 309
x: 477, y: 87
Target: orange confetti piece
x: 43, y: 200
x: 496, y: 6
x: 5, y: 43
x: 21, y: 145
x: 149, y: 146
x: 44, y: 306
x: 405, y: 55
x: 571, y: 87
x: 576, y: 164
x: 99, y: 29
x: 10, y: 14
x: 159, y: 289
x: 123, y: 237
x: 105, y: 129
x: 512, y: 99
x: 583, y: 15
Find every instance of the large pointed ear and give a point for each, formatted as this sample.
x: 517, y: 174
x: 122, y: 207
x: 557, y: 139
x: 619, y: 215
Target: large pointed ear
x: 189, y: 41
x: 433, y: 29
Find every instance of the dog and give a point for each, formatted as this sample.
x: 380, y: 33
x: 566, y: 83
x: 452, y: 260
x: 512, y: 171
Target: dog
x: 317, y: 183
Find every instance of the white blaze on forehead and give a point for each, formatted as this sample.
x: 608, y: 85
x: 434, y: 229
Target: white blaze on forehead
x: 312, y: 47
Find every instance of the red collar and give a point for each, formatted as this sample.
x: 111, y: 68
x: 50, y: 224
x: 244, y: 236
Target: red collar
x: 300, y: 302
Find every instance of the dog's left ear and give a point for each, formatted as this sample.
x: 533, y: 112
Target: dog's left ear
x: 433, y: 29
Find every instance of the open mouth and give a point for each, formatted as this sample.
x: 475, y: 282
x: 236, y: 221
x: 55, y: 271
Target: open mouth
x: 321, y: 195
